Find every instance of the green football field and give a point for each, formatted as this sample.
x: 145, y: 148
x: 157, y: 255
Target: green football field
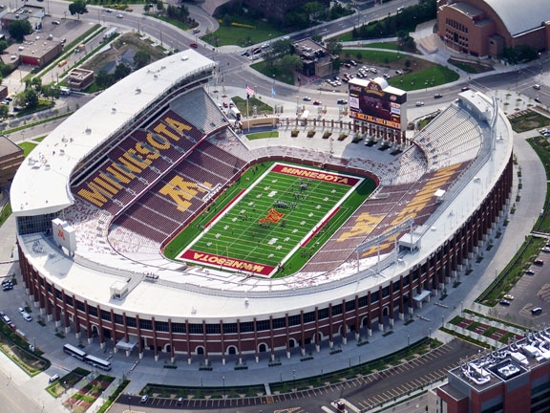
x: 268, y: 222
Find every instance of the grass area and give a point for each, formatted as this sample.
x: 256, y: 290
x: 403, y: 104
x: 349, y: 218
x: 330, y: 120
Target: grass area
x: 263, y: 135
x: 17, y: 350
x: 261, y: 107
x: 383, y: 45
x: 471, y: 67
x: 27, y: 147
x: 528, y: 120
x: 376, y: 57
x: 272, y: 72
x: 431, y: 77
x: 418, y: 73
x: 5, y: 214
x: 279, y: 223
x: 542, y: 148
x: 246, y: 32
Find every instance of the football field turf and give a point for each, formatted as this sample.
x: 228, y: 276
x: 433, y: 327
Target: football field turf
x: 265, y: 224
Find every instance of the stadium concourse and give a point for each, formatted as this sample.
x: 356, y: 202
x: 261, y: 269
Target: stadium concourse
x: 112, y: 188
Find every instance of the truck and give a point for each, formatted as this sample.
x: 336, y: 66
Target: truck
x: 235, y: 112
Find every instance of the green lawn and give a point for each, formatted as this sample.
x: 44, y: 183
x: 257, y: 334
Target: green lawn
x: 377, y: 57
x: 27, y: 147
x: 258, y: 32
x: 263, y: 135
x: 275, y: 222
x: 430, y: 77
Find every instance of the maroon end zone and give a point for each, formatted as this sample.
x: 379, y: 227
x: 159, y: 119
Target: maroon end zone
x: 334, y: 178
x: 221, y: 261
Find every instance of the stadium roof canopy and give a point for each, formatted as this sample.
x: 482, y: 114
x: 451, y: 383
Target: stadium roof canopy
x: 521, y: 17
x: 41, y: 184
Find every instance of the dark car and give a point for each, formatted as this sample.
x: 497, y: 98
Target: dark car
x: 341, y: 101
x: 438, y: 96
x: 505, y: 303
x: 193, y: 45
x: 530, y: 272
x: 540, y: 263
x: 465, y: 88
x: 536, y: 310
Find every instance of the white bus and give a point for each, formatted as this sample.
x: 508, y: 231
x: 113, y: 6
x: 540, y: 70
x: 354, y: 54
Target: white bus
x: 74, y: 351
x: 98, y: 362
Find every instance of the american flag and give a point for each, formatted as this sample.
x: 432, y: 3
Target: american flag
x: 249, y: 91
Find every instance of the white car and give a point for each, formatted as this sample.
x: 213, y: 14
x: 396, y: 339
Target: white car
x: 24, y: 313
x: 119, y: 16
x: 144, y: 398
x: 419, y: 103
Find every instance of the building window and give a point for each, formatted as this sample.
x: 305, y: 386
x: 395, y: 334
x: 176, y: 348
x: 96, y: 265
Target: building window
x: 145, y: 324
x: 161, y: 325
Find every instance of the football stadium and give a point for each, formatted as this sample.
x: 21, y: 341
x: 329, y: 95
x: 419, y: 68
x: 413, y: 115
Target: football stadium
x: 146, y: 224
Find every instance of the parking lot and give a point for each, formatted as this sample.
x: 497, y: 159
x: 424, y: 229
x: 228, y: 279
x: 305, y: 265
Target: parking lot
x: 532, y: 291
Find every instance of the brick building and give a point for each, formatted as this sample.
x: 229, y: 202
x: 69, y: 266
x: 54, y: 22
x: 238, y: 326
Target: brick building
x: 485, y: 27
x: 512, y: 379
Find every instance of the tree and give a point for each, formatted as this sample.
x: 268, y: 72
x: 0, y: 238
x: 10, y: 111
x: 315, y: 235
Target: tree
x: 3, y: 45
x: 4, y: 111
x: 291, y: 63
x: 19, y: 29
x: 78, y: 7
x: 334, y: 47
x: 103, y: 80
x: 51, y: 91
x: 31, y: 98
x: 141, y: 59
x: 121, y: 71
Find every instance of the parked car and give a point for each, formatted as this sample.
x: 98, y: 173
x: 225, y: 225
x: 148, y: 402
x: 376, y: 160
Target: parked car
x: 530, y: 272
x: 56, y: 22
x: 505, y: 303
x: 144, y: 398
x: 197, y: 30
x: 538, y: 262
x: 24, y: 314
x: 509, y: 297
x: 536, y: 310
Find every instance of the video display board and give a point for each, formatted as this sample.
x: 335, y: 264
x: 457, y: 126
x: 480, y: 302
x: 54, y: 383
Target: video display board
x: 371, y: 103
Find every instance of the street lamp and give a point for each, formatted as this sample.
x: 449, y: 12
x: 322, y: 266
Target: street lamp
x: 129, y: 406
x: 223, y: 379
x: 294, y: 379
x: 408, y: 340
